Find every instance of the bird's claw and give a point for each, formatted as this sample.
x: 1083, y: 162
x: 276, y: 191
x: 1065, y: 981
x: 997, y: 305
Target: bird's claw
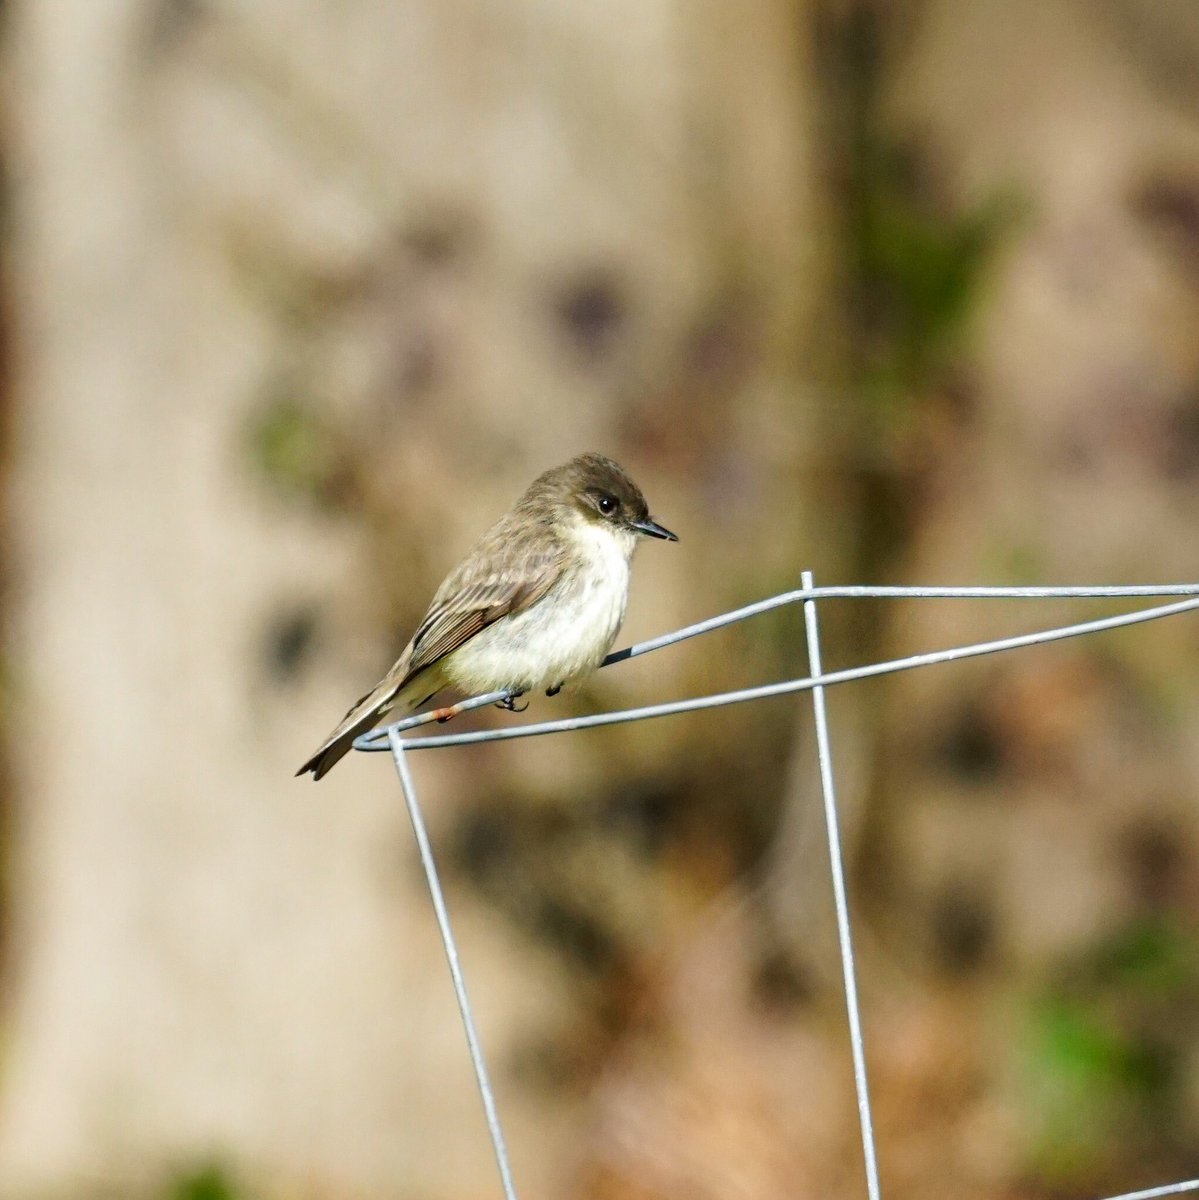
x: 508, y: 704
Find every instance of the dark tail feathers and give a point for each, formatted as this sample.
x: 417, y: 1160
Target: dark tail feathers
x: 361, y: 717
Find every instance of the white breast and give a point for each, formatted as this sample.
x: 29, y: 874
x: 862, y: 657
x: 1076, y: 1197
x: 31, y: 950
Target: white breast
x: 562, y: 637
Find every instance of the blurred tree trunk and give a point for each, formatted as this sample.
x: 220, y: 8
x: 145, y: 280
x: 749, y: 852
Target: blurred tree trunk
x: 278, y: 267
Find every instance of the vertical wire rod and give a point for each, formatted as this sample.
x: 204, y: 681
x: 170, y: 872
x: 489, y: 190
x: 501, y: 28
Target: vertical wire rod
x: 451, y: 954
x: 838, y: 872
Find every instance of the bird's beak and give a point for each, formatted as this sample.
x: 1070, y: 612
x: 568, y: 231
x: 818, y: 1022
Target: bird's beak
x: 653, y: 529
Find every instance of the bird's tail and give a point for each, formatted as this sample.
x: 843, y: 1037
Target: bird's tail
x: 365, y: 714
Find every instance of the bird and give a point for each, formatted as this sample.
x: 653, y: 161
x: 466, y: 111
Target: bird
x: 536, y: 603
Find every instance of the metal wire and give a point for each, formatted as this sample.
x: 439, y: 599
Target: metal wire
x: 390, y: 738
x: 844, y: 937
x: 376, y: 739
x: 451, y: 954
x: 1170, y: 1189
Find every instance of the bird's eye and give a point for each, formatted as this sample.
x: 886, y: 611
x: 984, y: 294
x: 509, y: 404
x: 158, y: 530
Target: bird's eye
x: 606, y: 505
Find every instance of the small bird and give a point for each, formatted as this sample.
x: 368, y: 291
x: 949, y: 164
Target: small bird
x: 537, y: 602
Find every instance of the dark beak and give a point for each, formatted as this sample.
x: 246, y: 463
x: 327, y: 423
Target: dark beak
x: 653, y: 529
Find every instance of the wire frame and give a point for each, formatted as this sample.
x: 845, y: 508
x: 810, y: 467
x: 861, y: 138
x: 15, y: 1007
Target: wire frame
x: 391, y: 738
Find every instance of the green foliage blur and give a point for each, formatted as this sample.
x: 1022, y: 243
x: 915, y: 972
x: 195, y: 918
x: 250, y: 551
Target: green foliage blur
x: 208, y: 1181
x: 1106, y: 1051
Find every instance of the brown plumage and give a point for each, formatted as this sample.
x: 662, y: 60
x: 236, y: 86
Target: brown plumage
x: 547, y: 581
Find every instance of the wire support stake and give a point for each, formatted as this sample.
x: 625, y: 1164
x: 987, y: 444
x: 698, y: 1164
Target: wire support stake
x: 838, y: 871
x: 451, y: 954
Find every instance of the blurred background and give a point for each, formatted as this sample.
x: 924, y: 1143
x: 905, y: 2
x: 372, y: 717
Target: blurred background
x: 296, y: 297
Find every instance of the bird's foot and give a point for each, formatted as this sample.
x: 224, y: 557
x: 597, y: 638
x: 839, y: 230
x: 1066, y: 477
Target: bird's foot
x: 508, y: 704
x: 554, y: 690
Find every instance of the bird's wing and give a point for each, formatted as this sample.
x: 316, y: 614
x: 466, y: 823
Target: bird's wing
x: 462, y: 608
x: 459, y: 613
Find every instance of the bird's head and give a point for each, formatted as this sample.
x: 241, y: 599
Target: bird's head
x: 600, y: 492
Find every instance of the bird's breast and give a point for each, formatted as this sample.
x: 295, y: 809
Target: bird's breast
x: 562, y: 637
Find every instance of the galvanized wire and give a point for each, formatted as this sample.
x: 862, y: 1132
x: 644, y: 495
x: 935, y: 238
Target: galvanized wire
x: 451, y: 953
x: 390, y: 738
x: 376, y: 740
x: 837, y: 867
x: 1170, y: 1189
